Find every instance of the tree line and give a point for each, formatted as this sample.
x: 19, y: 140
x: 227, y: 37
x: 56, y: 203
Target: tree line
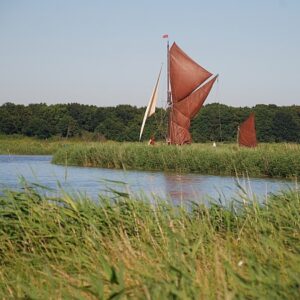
x: 215, y: 122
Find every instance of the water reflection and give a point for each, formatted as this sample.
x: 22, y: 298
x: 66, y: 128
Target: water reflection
x: 180, y: 188
x: 184, y: 187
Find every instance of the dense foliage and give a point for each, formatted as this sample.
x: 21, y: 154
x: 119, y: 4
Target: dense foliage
x: 122, y: 123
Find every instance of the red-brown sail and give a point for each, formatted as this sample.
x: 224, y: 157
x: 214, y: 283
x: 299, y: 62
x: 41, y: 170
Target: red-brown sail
x: 193, y: 103
x: 186, y: 76
x: 247, y: 133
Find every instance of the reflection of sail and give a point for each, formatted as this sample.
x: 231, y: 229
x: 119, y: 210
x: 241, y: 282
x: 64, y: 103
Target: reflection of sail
x: 183, y: 187
x: 151, y: 105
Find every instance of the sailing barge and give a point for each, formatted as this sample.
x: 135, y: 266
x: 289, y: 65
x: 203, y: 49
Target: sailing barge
x: 188, y: 86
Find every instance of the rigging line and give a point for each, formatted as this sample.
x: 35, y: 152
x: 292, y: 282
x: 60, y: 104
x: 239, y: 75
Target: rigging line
x: 220, y: 124
x: 163, y: 114
x: 160, y: 118
x: 217, y: 95
x: 160, y: 126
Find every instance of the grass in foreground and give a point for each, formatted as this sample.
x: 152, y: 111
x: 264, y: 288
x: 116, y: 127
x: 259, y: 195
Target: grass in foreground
x: 273, y: 160
x: 129, y: 249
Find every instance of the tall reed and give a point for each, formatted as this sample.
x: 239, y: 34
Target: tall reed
x: 273, y: 160
x: 16, y: 144
x: 66, y: 248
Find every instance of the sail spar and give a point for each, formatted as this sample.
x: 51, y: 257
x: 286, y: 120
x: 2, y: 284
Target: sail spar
x: 188, y: 93
x: 151, y: 104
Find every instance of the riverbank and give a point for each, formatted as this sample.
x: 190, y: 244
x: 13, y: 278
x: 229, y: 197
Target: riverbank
x: 268, y: 160
x: 80, y: 249
x: 271, y: 160
x: 180, y: 188
x: 17, y: 144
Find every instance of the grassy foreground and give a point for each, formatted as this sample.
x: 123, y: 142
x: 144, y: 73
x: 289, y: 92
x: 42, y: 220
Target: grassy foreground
x: 129, y: 249
x: 273, y: 160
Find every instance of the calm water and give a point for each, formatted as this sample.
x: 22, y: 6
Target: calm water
x: 92, y: 181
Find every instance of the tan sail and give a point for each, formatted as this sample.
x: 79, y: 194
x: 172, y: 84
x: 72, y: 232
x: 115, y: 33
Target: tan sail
x: 151, y: 105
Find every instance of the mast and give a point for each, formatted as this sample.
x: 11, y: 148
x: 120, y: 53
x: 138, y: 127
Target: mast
x: 166, y: 36
x: 169, y: 101
x: 168, y: 74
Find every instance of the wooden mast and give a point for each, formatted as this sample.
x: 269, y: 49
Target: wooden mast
x: 168, y: 74
x: 169, y: 102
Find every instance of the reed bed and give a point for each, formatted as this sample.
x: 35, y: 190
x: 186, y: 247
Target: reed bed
x: 31, y: 146
x: 272, y: 160
x: 67, y: 248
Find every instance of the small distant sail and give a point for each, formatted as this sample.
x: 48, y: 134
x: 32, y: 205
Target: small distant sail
x: 247, y: 133
x: 151, y: 105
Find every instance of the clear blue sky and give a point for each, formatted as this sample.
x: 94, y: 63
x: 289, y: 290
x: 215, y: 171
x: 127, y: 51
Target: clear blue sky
x: 109, y: 52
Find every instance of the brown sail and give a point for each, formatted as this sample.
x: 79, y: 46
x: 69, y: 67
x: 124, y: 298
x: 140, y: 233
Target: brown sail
x: 247, y: 133
x: 185, y: 74
x: 188, y: 96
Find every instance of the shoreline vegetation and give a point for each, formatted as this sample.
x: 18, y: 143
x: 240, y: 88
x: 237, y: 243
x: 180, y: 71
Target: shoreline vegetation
x: 67, y: 248
x: 267, y: 160
x: 20, y: 145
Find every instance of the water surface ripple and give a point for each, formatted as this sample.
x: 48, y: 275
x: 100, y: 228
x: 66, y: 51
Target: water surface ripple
x: 92, y: 181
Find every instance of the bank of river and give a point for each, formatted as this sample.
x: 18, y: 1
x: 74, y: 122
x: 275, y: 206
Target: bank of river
x: 94, y: 181
x: 267, y: 160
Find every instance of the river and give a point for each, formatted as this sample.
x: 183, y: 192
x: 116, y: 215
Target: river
x: 91, y: 182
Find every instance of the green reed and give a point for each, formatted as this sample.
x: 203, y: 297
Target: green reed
x: 73, y: 248
x: 273, y: 160
x: 31, y: 146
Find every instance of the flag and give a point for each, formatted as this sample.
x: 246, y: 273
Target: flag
x: 165, y: 36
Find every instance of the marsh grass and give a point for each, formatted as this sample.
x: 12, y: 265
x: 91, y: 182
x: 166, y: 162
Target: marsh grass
x: 17, y: 144
x: 66, y: 248
x: 272, y: 160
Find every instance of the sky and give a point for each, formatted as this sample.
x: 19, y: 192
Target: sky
x: 107, y: 53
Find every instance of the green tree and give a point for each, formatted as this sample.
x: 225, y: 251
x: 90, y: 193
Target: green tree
x: 67, y: 127
x: 285, y: 128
